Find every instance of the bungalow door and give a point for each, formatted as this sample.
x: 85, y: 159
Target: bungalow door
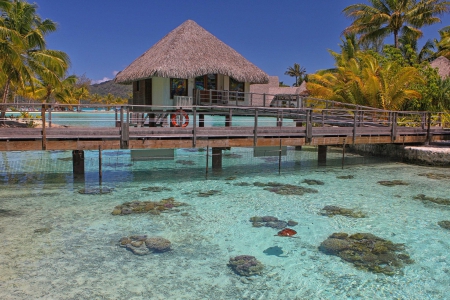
x: 207, y: 85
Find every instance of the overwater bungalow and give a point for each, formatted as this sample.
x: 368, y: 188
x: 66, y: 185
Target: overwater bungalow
x: 191, y: 66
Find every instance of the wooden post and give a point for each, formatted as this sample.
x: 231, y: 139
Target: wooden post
x: 279, y: 159
x: 298, y: 123
x: 255, y: 129
x: 343, y: 154
x: 216, y: 158
x: 194, y: 127
x: 264, y: 99
x: 44, y: 132
x: 50, y: 116
x: 322, y: 155
x: 78, y: 164
x: 355, y: 115
x: 308, y: 126
x: 207, y: 160
x: 228, y: 119
x: 201, y: 120
x: 394, y: 126
x: 428, y: 129
x: 100, y: 172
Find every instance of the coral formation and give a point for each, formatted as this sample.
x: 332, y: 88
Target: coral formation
x: 287, y: 232
x: 151, y: 207
x: 423, y: 198
x: 367, y: 252
x: 141, y: 245
x: 392, y: 182
x: 245, y: 265
x: 331, y: 210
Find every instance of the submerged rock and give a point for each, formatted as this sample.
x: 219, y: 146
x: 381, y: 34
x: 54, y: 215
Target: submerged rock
x: 270, y: 221
x: 331, y: 210
x: 208, y: 193
x: 367, y: 252
x: 95, y: 191
x: 241, y: 184
x: 423, y: 198
x: 151, y: 207
x: 185, y: 162
x: 156, y: 189
x: 245, y: 265
x: 158, y: 244
x: 345, y: 177
x: 392, y: 182
x: 141, y: 245
x: 444, y: 224
x: 435, y: 176
x: 285, y: 189
x: 43, y: 230
x: 313, y: 182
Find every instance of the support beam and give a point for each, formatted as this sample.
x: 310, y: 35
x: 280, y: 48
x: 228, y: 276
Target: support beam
x: 78, y: 164
x: 217, y: 158
x: 322, y: 155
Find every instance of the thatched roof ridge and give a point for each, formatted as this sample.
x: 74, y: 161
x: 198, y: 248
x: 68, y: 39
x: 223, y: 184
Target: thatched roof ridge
x: 443, y: 65
x: 189, y: 51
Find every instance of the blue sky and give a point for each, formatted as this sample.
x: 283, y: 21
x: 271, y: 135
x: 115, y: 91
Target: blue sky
x: 103, y: 37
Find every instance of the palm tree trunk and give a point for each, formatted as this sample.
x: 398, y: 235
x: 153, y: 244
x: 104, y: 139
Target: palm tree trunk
x: 396, y: 39
x: 5, y: 97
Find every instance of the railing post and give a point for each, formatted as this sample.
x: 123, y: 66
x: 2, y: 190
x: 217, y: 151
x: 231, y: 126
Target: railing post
x: 428, y: 128
x: 210, y: 97
x: 194, y: 129
x: 44, y: 133
x: 355, y: 115
x: 297, y: 98
x: 50, y: 116
x: 308, y: 126
x: 255, y: 129
x: 394, y: 126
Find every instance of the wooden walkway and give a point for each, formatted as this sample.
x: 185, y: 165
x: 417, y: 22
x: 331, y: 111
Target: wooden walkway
x: 306, y: 126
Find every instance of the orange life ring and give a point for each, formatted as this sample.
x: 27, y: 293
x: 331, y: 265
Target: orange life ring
x: 179, y: 115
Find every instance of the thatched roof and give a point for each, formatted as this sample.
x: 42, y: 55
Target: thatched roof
x: 443, y: 66
x: 189, y: 51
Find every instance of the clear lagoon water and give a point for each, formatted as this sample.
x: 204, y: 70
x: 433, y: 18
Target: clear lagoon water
x: 57, y: 243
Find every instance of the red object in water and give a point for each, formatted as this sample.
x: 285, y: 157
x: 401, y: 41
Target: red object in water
x: 287, y: 232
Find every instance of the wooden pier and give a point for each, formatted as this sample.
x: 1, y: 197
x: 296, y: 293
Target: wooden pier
x: 306, y: 126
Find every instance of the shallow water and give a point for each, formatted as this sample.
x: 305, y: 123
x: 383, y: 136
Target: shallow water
x: 60, y: 244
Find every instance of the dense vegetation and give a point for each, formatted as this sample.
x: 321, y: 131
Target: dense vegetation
x: 398, y: 76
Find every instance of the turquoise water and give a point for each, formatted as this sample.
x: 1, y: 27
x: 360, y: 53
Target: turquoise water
x: 60, y: 244
x: 94, y: 118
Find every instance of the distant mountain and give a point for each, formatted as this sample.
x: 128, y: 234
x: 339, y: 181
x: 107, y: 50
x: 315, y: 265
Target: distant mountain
x: 118, y: 90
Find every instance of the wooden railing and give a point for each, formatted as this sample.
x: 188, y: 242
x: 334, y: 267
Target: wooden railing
x: 246, y: 126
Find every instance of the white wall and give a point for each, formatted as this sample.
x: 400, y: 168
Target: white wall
x: 161, y: 91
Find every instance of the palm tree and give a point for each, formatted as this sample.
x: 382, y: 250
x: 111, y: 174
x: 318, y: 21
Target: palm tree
x: 444, y: 43
x: 296, y: 71
x: 385, y: 17
x: 23, y: 53
x: 409, y: 49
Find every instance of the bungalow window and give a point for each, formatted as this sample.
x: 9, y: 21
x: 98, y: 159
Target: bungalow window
x: 206, y: 82
x: 236, y: 90
x: 178, y: 87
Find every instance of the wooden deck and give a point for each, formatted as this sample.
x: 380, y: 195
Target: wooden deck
x: 307, y: 126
